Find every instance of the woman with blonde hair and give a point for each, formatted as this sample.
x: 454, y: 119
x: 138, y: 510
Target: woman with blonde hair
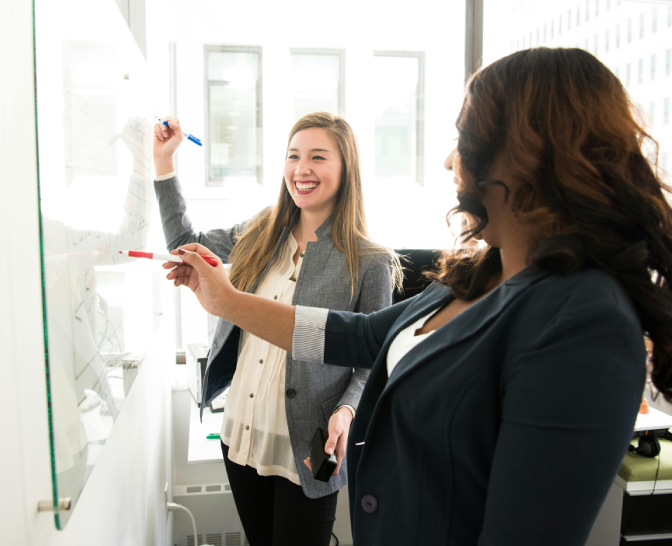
x: 312, y: 249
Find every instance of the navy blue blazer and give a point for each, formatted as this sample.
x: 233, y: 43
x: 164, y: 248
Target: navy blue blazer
x: 506, y: 426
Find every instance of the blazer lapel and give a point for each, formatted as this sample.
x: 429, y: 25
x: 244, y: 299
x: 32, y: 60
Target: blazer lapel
x: 465, y: 325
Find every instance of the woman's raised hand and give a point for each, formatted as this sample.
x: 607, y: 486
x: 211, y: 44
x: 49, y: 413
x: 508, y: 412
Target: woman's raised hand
x: 210, y: 284
x: 166, y: 141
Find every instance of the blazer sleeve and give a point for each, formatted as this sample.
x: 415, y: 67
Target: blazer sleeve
x: 569, y: 403
x: 374, y: 295
x: 177, y: 228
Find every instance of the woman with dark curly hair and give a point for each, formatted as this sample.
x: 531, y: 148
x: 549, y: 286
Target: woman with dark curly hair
x: 502, y: 399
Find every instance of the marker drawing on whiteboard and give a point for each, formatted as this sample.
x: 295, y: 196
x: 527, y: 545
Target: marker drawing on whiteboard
x: 186, y: 135
x: 164, y: 257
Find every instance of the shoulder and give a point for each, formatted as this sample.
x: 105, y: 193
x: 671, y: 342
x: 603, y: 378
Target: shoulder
x: 567, y: 299
x: 593, y: 286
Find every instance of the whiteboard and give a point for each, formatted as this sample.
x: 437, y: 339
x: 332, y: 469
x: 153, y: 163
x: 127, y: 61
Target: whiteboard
x: 96, y: 198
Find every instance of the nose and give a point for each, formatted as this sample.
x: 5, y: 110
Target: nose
x: 302, y: 168
x: 448, y: 163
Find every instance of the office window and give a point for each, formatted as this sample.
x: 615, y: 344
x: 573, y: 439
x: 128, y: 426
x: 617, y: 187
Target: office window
x: 640, y: 71
x: 654, y: 20
x: 560, y: 24
x: 595, y: 48
x: 544, y: 32
x: 608, y: 5
x: 233, y: 114
x: 627, y: 75
x: 578, y: 15
x: 530, y: 39
x: 569, y: 19
x: 552, y: 28
x: 618, y: 46
x: 318, y: 77
x: 399, y: 115
x: 587, y: 9
x: 618, y: 36
x: 537, y: 35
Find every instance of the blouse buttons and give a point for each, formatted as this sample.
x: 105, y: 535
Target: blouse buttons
x: 275, y: 297
x: 261, y: 361
x: 302, y: 254
x: 247, y: 427
x: 293, y: 279
x: 251, y: 395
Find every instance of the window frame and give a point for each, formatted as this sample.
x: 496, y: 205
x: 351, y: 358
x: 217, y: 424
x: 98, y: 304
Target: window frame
x: 211, y: 181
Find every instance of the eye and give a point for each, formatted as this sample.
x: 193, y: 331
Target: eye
x: 318, y: 157
x: 293, y: 156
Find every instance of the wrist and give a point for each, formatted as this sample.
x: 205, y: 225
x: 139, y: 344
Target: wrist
x: 229, y: 302
x: 164, y: 165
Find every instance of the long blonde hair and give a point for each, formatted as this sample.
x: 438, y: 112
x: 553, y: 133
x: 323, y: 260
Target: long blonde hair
x: 254, y: 247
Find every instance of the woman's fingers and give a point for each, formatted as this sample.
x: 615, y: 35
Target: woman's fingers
x: 193, y: 247
x: 181, y: 270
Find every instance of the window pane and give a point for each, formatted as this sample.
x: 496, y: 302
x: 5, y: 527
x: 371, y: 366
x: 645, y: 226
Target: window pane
x: 635, y: 59
x: 317, y: 83
x: 396, y: 89
x: 233, y: 119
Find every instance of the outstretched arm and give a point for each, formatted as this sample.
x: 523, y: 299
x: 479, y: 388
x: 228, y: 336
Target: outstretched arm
x: 266, y: 319
x: 358, y: 337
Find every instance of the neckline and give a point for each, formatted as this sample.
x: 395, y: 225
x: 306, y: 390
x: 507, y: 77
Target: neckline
x: 424, y: 321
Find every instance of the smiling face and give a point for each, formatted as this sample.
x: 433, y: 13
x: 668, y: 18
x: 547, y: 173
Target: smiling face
x: 313, y: 170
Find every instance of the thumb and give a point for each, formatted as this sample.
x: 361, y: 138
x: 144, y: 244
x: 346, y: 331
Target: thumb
x: 331, y: 442
x: 194, y: 260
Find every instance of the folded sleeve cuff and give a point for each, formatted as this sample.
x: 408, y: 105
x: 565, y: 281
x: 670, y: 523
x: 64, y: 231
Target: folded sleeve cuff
x: 166, y: 176
x: 308, y: 337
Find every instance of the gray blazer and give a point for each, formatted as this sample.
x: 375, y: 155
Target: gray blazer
x: 312, y: 391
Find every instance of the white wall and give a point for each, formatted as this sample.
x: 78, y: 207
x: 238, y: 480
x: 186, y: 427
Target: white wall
x: 123, y: 501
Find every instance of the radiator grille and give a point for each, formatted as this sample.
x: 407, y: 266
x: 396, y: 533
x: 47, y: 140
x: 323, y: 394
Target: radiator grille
x: 190, y: 540
x: 214, y: 540
x: 213, y: 488
x: 233, y: 539
x: 194, y: 489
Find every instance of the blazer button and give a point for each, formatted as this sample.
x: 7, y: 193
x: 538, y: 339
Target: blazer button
x: 291, y: 393
x: 369, y: 504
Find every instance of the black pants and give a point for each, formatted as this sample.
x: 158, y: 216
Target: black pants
x: 276, y: 512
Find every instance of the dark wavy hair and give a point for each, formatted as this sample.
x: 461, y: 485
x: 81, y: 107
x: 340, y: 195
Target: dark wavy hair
x: 568, y: 135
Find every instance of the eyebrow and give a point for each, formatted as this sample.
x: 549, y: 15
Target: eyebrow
x: 313, y: 150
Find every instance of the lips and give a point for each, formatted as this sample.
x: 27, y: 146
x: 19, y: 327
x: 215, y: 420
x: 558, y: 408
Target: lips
x: 304, y: 187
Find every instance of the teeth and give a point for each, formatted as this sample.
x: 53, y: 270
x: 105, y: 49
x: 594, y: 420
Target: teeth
x: 304, y: 187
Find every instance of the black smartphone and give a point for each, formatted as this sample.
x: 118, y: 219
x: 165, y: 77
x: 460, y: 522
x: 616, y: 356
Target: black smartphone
x: 322, y: 465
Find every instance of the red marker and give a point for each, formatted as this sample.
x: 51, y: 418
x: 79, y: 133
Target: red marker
x: 164, y: 257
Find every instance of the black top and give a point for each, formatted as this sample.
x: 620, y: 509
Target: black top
x: 506, y: 426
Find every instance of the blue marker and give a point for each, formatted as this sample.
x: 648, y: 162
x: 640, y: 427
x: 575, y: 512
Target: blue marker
x: 187, y: 135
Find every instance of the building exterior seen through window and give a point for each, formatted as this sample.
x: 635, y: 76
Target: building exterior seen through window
x: 637, y: 61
